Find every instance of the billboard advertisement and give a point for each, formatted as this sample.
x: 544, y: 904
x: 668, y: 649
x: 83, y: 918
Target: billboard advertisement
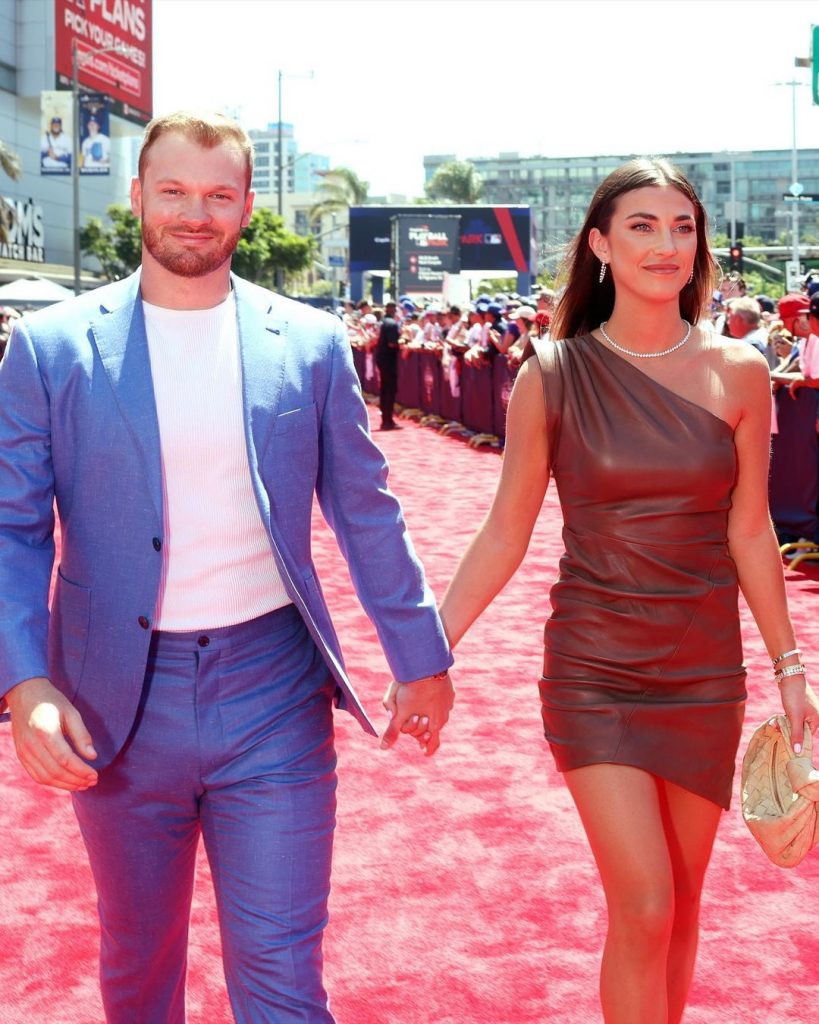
x: 492, y: 238
x: 126, y: 78
x: 425, y: 250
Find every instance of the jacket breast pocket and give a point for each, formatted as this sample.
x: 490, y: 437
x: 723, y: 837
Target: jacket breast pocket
x: 303, y: 419
x: 68, y: 634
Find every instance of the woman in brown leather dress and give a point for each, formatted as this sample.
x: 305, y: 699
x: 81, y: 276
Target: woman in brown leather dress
x: 657, y: 434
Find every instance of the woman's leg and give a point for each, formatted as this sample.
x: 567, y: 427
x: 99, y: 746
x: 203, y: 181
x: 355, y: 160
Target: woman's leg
x: 621, y: 811
x: 690, y: 825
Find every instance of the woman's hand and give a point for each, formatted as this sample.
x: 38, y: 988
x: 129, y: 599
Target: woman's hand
x: 801, y: 706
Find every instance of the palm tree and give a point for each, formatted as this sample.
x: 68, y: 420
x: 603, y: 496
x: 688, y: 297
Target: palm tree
x: 10, y: 165
x: 340, y: 189
x: 456, y: 182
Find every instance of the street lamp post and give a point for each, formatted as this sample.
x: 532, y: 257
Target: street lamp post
x: 280, y: 159
x: 76, y: 63
x: 795, y: 186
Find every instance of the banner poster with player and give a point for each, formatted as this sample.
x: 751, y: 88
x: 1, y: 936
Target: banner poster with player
x: 55, y: 132
x: 95, y: 139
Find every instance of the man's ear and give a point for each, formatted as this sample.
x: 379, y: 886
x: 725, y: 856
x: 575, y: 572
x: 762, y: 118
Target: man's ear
x: 136, y: 197
x: 248, y: 210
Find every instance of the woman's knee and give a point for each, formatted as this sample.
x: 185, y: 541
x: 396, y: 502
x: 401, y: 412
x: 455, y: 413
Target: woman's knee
x: 646, y: 916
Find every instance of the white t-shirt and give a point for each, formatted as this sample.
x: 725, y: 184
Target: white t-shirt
x: 217, y: 563
x: 809, y: 357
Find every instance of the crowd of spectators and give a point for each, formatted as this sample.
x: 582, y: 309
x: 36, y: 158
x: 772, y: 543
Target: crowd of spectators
x: 488, y: 327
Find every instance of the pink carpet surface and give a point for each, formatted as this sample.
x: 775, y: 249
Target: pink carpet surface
x: 464, y: 892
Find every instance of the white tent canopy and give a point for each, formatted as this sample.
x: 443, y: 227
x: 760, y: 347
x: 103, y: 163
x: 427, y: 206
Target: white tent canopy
x: 27, y: 292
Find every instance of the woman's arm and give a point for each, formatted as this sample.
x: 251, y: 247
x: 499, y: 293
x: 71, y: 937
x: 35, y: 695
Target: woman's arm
x: 752, y: 541
x: 498, y: 547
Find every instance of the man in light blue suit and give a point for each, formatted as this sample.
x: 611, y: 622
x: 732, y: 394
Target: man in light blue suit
x: 183, y: 680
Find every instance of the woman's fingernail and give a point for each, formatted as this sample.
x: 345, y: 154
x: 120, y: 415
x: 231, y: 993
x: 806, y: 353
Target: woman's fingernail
x: 797, y: 748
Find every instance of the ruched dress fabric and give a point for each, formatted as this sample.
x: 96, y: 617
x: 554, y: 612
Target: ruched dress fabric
x: 643, y: 654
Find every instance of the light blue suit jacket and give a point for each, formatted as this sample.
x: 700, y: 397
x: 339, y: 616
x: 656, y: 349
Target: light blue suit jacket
x: 78, y: 424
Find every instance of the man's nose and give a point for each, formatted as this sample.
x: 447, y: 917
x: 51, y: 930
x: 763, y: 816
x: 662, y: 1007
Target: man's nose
x: 195, y: 210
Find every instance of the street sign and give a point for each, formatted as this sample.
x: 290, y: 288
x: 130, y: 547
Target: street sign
x: 796, y: 189
x: 815, y: 56
x: 336, y: 261
x: 793, y: 275
x: 804, y: 198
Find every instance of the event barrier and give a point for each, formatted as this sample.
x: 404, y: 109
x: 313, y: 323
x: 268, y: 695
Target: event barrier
x: 475, y: 397
x: 793, y: 484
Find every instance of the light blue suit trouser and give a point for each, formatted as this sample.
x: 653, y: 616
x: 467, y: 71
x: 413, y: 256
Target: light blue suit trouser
x: 233, y: 739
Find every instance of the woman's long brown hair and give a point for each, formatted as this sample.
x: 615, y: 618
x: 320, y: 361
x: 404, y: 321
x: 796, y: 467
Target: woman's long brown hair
x: 585, y: 303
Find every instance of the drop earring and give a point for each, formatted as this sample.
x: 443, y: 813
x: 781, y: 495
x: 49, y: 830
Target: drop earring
x: 603, y: 266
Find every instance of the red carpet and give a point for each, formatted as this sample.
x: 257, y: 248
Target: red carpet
x: 463, y: 888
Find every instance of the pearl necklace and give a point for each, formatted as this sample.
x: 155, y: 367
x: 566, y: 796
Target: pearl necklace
x: 646, y: 355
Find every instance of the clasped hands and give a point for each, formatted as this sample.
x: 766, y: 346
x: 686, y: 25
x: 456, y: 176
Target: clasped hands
x: 419, y: 709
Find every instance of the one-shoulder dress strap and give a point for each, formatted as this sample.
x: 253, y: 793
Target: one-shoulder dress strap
x: 550, y: 359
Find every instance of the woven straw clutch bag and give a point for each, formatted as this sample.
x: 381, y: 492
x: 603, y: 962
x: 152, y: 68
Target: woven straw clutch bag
x: 780, y: 791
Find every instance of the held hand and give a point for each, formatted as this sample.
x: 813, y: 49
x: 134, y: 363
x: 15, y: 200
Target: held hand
x: 419, y: 709
x: 45, y: 726
x: 801, y: 706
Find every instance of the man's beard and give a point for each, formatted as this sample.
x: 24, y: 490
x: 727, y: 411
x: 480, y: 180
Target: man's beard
x: 173, y: 256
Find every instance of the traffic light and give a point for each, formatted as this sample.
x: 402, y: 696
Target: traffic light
x: 735, y: 254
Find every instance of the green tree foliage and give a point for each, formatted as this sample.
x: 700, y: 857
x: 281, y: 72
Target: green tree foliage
x: 10, y: 165
x: 265, y: 247
x: 340, y: 189
x: 455, y: 182
x: 118, y: 247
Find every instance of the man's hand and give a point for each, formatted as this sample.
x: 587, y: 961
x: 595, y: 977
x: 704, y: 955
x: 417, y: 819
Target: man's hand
x: 43, y: 722
x: 420, y: 709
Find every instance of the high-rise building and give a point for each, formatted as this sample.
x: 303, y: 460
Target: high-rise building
x: 740, y: 190
x: 301, y: 172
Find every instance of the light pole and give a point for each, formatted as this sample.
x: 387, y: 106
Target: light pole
x: 280, y: 158
x: 76, y: 64
x: 795, y: 188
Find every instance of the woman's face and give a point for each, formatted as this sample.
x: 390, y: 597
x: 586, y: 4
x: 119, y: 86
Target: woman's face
x: 651, y: 242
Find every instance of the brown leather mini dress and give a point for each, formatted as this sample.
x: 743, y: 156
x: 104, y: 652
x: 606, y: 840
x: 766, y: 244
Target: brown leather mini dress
x: 643, y: 655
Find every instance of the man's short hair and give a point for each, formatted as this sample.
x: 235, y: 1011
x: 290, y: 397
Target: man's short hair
x: 747, y: 308
x: 205, y: 129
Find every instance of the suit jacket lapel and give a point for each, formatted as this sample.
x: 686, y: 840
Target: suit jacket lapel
x: 119, y: 332
x: 262, y: 341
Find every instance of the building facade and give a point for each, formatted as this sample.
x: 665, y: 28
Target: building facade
x: 43, y: 238
x: 301, y: 172
x: 742, y: 191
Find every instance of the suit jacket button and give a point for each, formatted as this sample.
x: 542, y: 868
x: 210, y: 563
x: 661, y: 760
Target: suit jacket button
x: 143, y: 622
x: 157, y: 544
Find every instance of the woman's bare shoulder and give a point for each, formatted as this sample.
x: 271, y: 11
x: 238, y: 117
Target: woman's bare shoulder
x: 735, y: 357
